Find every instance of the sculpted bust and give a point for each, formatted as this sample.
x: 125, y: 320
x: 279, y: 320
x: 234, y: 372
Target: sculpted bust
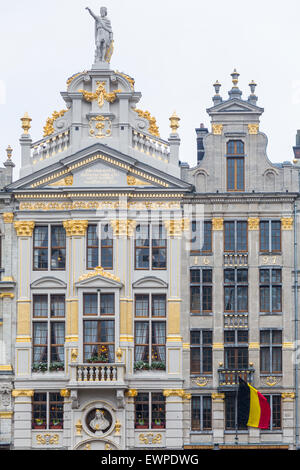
x: 103, y: 35
x: 99, y: 422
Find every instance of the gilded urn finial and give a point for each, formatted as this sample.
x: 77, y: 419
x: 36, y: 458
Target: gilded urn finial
x: 174, y: 122
x: 26, y: 120
x: 9, y: 152
x: 235, y: 78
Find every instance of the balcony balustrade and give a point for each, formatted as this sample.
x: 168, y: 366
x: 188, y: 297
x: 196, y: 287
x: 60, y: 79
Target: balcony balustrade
x: 106, y: 375
x: 229, y: 378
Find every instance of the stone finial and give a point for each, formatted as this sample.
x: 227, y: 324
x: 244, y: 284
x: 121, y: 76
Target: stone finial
x: 235, y: 78
x: 217, y: 98
x: 174, y: 122
x: 9, y: 152
x: 26, y: 120
x: 235, y: 92
x: 252, y: 86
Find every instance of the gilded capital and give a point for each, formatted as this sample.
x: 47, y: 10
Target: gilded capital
x: 177, y: 393
x: 287, y: 223
x: 75, y: 227
x: 22, y: 393
x: 253, y: 129
x: 131, y: 393
x: 176, y: 227
x: 123, y: 228
x: 8, y: 217
x: 217, y: 129
x: 253, y: 223
x: 288, y: 396
x: 218, y: 397
x: 65, y: 393
x: 217, y: 223
x: 24, y: 228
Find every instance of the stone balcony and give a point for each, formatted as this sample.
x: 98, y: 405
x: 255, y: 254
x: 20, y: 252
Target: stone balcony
x: 95, y: 375
x: 229, y: 378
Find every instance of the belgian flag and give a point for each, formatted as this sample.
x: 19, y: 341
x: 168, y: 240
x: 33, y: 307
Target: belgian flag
x: 253, y: 408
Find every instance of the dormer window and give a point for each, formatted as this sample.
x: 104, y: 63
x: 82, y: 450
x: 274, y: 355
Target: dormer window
x: 235, y: 165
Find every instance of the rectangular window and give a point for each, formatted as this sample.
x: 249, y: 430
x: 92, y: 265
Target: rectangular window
x: 236, y: 236
x: 150, y: 411
x: 235, y: 174
x: 47, y: 411
x: 201, y: 352
x: 48, y: 327
x: 106, y: 246
x: 150, y: 247
x: 201, y: 413
x: 236, y: 349
x: 231, y: 418
x: 201, y: 241
x: 270, y: 289
x: 236, y: 290
x: 201, y: 291
x: 271, y: 351
x: 275, y: 405
x: 55, y: 256
x: 270, y: 236
x: 99, y: 341
x: 150, y: 333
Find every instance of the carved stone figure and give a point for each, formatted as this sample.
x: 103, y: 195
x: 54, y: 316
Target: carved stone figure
x: 103, y: 35
x: 99, y: 422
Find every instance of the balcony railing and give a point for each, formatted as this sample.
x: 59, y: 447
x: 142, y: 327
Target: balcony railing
x: 97, y: 374
x: 230, y: 377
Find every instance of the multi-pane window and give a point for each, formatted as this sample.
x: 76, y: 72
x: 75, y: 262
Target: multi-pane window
x: 201, y: 352
x: 236, y: 236
x: 201, y: 291
x: 271, y: 351
x: 201, y: 241
x: 236, y: 349
x: 150, y: 331
x: 98, y: 327
x: 150, y: 247
x: 201, y: 413
x: 51, y: 254
x: 270, y: 236
x: 99, y: 253
x: 150, y: 411
x: 235, y: 166
x: 47, y: 411
x: 48, y: 318
x: 231, y: 416
x: 275, y: 405
x: 236, y: 290
x: 270, y: 289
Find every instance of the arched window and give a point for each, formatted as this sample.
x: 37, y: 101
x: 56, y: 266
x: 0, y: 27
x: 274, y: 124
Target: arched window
x: 235, y: 165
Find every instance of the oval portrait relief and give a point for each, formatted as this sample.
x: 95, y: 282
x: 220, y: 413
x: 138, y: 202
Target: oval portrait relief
x: 99, y: 421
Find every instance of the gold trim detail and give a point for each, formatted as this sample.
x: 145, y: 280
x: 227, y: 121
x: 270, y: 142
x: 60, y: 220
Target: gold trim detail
x: 217, y: 129
x: 6, y: 294
x: 253, y: 223
x: 217, y: 223
x: 218, y: 346
x: 22, y: 393
x: 102, y: 125
x: 129, y: 79
x: 24, y: 228
x: 174, y: 122
x: 287, y: 223
x: 288, y: 345
x: 119, y: 354
x: 47, y: 438
x: 118, y: 426
x: 253, y: 345
x: 7, y: 367
x: 65, y: 393
x: 150, y: 438
x: 99, y: 271
x: 100, y: 94
x: 201, y: 381
x: 23, y: 339
x: 75, y: 227
x: 218, y: 397
x: 8, y: 217
x: 153, y: 128
x: 177, y: 393
x: 49, y: 128
x: 271, y: 381
x: 123, y: 228
x: 6, y: 414
x: 78, y: 427
x: 74, y: 354
x: 176, y: 227
x: 131, y: 393
x: 253, y: 129
x: 26, y: 123
x: 288, y: 396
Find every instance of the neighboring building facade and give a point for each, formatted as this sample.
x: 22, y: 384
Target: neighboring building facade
x: 136, y: 289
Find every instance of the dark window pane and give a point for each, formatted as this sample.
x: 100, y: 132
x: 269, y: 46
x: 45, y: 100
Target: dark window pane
x: 107, y: 304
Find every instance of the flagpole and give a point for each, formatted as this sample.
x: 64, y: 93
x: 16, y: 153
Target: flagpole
x: 236, y: 415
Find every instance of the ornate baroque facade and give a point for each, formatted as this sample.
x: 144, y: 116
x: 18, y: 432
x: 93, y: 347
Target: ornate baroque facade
x: 135, y: 289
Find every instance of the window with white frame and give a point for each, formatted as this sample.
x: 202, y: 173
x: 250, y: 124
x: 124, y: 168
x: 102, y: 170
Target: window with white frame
x: 49, y: 248
x: 99, y: 248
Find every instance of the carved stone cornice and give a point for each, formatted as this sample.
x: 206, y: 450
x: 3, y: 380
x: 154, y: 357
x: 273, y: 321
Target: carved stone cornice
x: 75, y: 227
x: 123, y: 228
x: 176, y: 227
x: 24, y: 228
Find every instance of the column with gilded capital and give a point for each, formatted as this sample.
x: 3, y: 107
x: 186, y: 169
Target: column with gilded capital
x: 22, y: 418
x: 124, y: 230
x: 175, y: 403
x: 75, y: 233
x: 24, y: 230
x: 176, y: 228
x: 218, y: 417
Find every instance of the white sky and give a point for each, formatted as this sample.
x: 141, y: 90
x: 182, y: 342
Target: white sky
x: 175, y: 51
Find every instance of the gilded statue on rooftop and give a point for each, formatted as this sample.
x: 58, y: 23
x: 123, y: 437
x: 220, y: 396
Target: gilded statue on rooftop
x: 103, y: 36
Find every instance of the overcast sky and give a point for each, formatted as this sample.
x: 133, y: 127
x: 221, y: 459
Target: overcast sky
x: 174, y: 50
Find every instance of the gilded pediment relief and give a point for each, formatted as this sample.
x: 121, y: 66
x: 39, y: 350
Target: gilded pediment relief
x: 99, y: 277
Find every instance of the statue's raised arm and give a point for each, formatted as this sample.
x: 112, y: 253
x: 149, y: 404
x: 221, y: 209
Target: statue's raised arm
x: 103, y: 35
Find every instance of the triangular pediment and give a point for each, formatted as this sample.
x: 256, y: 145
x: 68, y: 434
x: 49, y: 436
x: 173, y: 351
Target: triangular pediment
x: 235, y: 106
x: 99, y: 278
x: 99, y: 167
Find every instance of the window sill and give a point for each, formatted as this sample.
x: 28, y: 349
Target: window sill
x: 205, y: 314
